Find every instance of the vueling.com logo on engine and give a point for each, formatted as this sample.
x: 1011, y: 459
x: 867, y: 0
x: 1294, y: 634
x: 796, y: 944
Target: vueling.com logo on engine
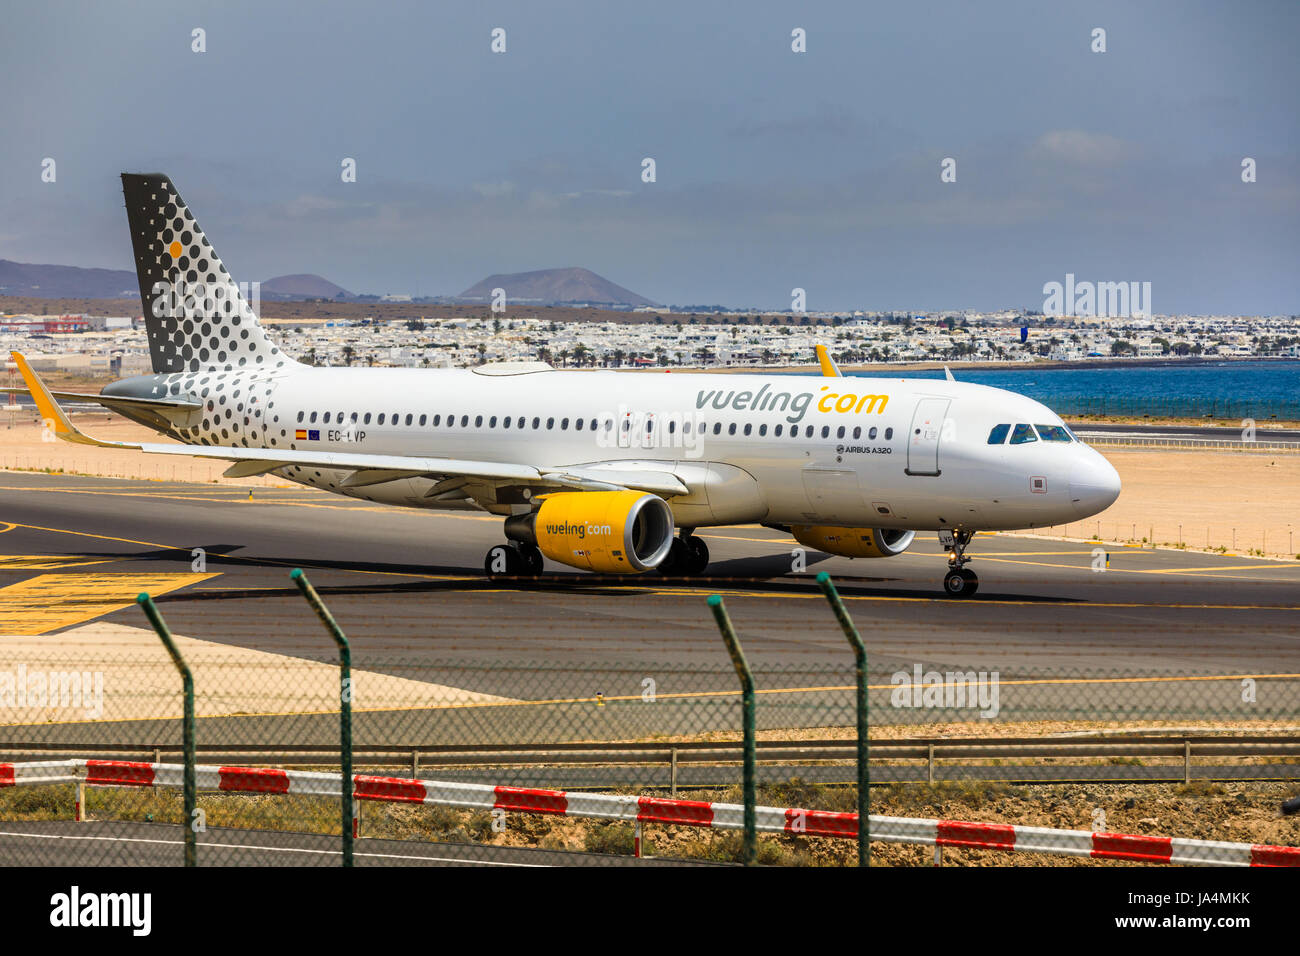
x: 578, y: 530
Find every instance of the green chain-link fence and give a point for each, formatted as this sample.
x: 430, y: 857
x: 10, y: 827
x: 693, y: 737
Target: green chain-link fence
x: 1209, y: 755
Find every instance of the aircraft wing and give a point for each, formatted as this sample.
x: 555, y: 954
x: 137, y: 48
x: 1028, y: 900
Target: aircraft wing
x: 366, y: 469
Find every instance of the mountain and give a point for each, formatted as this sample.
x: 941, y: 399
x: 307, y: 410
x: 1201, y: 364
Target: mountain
x: 34, y: 280
x: 303, y: 286
x: 555, y: 287
x: 65, y: 282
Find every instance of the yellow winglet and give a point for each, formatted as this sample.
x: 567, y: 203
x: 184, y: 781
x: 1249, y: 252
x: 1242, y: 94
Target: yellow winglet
x: 829, y: 368
x: 49, y: 408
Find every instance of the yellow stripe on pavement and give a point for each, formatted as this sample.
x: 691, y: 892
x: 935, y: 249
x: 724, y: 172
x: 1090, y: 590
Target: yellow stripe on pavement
x: 46, y: 562
x: 48, y: 602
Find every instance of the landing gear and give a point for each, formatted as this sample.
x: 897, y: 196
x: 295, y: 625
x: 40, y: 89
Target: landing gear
x: 688, y: 556
x: 960, y: 581
x: 513, y: 560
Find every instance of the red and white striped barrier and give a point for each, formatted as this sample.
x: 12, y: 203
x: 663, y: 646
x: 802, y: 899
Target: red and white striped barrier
x: 634, y: 809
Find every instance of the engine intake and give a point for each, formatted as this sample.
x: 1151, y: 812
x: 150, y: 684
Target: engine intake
x: 854, y: 542
x: 614, y: 532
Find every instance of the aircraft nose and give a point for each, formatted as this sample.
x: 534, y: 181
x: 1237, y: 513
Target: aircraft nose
x: 1094, y: 486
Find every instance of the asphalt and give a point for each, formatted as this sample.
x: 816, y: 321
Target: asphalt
x: 1160, y: 634
x: 120, y: 843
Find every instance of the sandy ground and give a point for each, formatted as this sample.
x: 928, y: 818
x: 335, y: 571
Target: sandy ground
x: 25, y: 446
x: 138, y: 681
x: 1245, y: 502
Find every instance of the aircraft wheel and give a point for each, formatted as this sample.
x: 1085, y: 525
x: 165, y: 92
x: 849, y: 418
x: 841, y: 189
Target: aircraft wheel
x: 503, y: 561
x: 675, y: 562
x: 532, y: 559
x: 960, y: 582
x: 697, y: 556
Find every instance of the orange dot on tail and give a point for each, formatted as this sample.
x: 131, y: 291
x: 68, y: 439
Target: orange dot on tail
x: 175, y: 249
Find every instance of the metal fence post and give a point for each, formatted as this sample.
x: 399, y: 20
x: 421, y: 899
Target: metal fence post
x: 747, y: 721
x: 189, y: 790
x: 864, y: 771
x: 345, y: 707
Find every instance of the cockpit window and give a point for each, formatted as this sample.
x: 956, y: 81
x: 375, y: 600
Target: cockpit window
x: 1052, y: 433
x: 1022, y: 434
x: 999, y: 434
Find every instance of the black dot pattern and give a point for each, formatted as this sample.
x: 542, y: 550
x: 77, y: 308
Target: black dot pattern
x: 192, y: 307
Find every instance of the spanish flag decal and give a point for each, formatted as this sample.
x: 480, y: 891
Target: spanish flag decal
x: 300, y: 434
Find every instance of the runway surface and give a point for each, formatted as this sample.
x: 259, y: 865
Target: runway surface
x: 118, y: 843
x: 1158, y: 635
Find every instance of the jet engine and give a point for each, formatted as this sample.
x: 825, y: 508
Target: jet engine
x: 854, y: 542
x: 613, y: 532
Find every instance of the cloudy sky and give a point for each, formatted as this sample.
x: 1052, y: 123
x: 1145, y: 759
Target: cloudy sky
x: 775, y: 169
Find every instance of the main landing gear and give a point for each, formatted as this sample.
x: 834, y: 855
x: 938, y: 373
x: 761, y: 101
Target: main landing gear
x: 518, y: 559
x: 960, y: 581
x: 687, y: 556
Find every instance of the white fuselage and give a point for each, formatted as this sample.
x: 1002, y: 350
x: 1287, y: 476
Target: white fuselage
x: 777, y: 449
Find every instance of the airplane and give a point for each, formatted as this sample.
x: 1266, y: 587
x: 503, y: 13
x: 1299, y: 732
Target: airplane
x: 606, y: 471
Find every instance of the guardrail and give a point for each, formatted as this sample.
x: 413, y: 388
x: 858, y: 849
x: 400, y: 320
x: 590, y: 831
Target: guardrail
x: 1104, y: 438
x: 790, y: 821
x: 1184, y: 747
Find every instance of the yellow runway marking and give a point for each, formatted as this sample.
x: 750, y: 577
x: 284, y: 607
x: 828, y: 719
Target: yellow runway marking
x: 228, y: 557
x: 51, y: 601
x: 45, y: 562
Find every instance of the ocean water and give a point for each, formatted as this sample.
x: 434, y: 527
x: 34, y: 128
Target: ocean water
x: 1228, y: 389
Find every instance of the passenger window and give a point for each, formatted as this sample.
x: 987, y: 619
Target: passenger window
x: 872, y: 433
x: 593, y: 424
x: 423, y: 419
x: 300, y: 414
x: 478, y: 421
x: 326, y: 419
x: 1022, y: 435
x: 367, y: 419
x: 381, y: 418
x: 808, y: 432
x: 492, y: 422
x: 437, y: 420
x: 748, y: 428
x: 550, y: 423
x: 889, y: 433
x: 564, y: 424
x: 578, y: 423
x: 1052, y: 433
x: 777, y: 431
x: 857, y: 431
x: 762, y: 429
x: 408, y: 418
x: 717, y: 428
x: 313, y: 418
x: 464, y: 421
x: 999, y: 434
x: 826, y: 431
x: 672, y: 427
x: 731, y: 429
x: 839, y: 432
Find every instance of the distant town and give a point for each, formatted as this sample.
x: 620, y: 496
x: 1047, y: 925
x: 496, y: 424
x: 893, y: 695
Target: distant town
x: 90, y: 345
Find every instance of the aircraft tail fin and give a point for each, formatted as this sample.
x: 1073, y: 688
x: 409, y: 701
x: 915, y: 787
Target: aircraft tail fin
x: 195, y: 314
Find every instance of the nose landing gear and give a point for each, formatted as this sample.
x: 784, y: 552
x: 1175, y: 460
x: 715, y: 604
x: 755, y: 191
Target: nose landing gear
x: 960, y: 581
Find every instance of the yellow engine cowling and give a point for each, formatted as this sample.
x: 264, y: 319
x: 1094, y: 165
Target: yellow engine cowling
x: 612, y: 532
x: 854, y: 542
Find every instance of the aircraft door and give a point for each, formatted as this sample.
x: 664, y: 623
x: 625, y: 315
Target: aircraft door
x: 923, y: 439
